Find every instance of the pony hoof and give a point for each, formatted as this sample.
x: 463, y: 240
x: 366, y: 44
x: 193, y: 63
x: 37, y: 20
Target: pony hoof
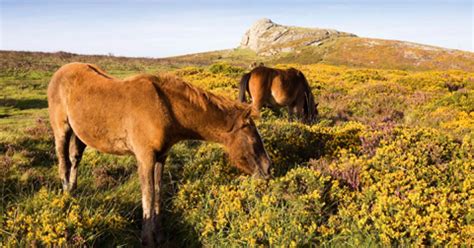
x: 66, y: 187
x: 149, y: 243
x: 159, y: 239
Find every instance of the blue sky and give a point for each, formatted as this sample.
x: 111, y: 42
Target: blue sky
x: 163, y: 28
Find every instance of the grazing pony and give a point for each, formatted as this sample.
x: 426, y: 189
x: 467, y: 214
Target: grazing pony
x: 277, y: 87
x: 145, y: 115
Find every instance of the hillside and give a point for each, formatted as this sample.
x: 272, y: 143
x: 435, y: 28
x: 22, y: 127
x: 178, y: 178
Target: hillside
x: 378, y: 53
x: 287, y: 44
x: 272, y: 43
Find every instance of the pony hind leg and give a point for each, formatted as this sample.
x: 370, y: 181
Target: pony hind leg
x: 258, y: 103
x: 62, y: 137
x: 76, y: 149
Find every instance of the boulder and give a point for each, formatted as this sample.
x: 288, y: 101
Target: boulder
x: 268, y: 38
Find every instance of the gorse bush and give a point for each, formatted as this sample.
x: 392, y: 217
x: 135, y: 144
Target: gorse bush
x: 224, y: 68
x: 220, y: 78
x: 286, y: 211
x: 414, y: 190
x: 53, y: 218
x: 411, y: 191
x: 292, y: 143
x: 390, y: 163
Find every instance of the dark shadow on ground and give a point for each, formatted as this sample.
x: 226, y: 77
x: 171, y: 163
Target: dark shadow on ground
x: 24, y: 103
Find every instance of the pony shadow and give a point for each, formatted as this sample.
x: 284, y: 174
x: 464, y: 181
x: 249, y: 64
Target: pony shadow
x: 23, y: 104
x: 39, y: 152
x: 178, y: 233
x: 38, y: 155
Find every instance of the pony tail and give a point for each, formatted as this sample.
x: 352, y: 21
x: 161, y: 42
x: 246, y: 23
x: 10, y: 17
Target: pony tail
x: 309, y: 103
x: 244, y: 86
x: 306, y: 107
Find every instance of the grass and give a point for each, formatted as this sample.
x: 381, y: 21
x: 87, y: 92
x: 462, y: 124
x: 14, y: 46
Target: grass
x: 389, y: 163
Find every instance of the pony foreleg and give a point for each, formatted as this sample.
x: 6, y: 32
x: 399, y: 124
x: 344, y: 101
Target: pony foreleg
x: 291, y: 112
x: 146, y: 170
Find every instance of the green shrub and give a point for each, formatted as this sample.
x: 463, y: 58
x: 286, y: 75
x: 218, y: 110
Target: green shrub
x: 225, y: 68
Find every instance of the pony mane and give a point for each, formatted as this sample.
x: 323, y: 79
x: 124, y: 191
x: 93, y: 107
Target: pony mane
x: 99, y: 71
x: 197, y: 96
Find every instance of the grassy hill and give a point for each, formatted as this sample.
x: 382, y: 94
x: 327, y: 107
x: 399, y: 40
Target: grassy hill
x: 390, y: 162
x: 289, y: 44
x: 377, y: 53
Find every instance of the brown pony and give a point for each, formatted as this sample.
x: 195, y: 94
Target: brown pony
x: 277, y: 87
x: 144, y: 115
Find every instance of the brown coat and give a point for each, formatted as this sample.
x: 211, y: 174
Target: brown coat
x: 278, y: 88
x: 144, y: 115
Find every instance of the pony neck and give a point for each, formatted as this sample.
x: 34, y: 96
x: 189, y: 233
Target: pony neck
x: 210, y: 125
x: 199, y: 114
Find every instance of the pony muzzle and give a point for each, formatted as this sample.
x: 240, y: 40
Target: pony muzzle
x: 259, y: 175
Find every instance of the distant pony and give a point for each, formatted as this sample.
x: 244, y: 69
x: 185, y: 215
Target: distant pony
x: 145, y: 115
x: 277, y: 87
